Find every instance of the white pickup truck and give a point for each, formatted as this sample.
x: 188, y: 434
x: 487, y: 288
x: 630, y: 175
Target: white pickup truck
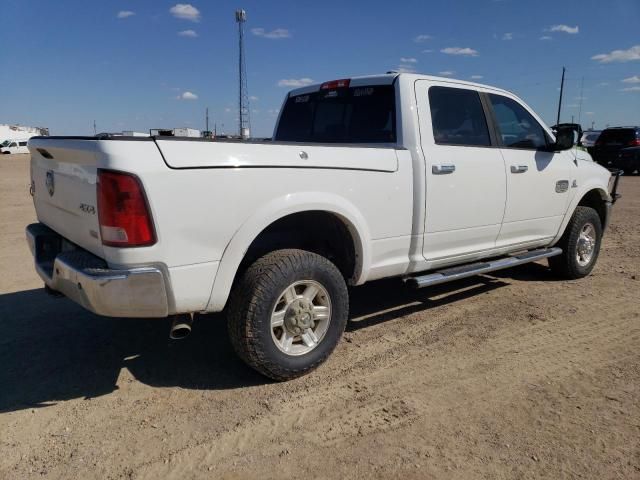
x: 395, y: 175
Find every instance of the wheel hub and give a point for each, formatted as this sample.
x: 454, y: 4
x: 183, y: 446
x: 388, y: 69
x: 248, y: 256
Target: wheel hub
x: 586, y: 245
x: 299, y: 316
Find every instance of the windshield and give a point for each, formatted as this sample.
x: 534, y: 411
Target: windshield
x: 343, y: 115
x: 5, y: 143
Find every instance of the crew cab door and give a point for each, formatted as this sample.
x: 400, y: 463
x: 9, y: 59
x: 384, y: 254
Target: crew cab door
x: 465, y: 175
x: 538, y: 182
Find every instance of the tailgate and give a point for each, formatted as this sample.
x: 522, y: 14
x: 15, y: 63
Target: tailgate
x: 64, y: 176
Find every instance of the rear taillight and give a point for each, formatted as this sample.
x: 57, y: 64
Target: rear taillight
x: 123, y: 212
x: 634, y: 143
x: 333, y: 84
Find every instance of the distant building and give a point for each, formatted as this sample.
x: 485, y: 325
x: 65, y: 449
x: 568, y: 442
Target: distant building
x: 19, y: 132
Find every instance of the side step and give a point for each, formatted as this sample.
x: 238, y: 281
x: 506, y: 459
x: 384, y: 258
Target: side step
x: 471, y: 269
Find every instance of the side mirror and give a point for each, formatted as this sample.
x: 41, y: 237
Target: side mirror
x: 564, y: 139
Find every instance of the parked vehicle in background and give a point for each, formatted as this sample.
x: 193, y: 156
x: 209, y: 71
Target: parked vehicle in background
x: 14, y: 146
x: 400, y: 175
x: 612, y: 141
x: 589, y: 138
x: 628, y: 160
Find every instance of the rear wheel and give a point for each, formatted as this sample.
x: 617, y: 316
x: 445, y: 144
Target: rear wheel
x: 287, y: 313
x: 580, y: 245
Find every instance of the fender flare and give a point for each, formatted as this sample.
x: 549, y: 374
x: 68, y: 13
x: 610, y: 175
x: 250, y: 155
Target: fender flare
x: 275, y: 210
x: 574, y: 203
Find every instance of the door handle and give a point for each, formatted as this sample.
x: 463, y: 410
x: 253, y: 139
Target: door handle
x: 519, y: 168
x: 442, y: 169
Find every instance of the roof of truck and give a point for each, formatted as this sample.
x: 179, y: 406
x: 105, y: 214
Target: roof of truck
x: 388, y: 79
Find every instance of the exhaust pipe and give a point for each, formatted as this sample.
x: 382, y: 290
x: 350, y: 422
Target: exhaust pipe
x: 181, y: 326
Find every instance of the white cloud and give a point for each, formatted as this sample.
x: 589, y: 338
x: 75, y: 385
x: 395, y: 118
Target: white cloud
x: 406, y: 68
x: 227, y: 110
x: 573, y: 105
x: 273, y: 34
x: 603, y: 84
x: 565, y: 29
x: 446, y: 73
x: 253, y: 98
x: 619, y: 55
x: 469, y: 52
x: 590, y: 113
x: 476, y: 77
x: 187, y: 96
x: 546, y: 37
x: 188, y: 33
x: 295, y: 82
x: 507, y: 36
x: 185, y: 11
x: 408, y: 60
x: 422, y: 38
x: 634, y: 79
x: 632, y: 89
x: 125, y: 14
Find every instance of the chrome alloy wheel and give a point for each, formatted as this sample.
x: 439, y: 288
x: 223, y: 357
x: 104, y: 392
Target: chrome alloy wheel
x: 586, y: 244
x: 300, y: 317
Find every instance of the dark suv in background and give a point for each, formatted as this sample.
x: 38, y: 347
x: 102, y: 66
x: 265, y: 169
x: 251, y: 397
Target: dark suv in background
x: 619, y: 147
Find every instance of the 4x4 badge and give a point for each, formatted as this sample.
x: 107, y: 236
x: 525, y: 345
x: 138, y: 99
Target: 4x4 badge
x: 50, y: 183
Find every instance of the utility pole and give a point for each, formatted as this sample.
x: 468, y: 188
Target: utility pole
x: 560, y: 101
x: 244, y: 123
x: 94, y: 128
x: 581, y: 98
x: 206, y: 121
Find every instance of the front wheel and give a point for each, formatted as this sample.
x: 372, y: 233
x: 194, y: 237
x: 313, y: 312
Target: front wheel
x: 580, y: 245
x: 287, y: 313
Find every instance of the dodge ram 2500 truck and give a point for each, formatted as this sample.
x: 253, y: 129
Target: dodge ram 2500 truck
x: 395, y: 175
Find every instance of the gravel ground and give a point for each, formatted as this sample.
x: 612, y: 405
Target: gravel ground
x: 512, y: 375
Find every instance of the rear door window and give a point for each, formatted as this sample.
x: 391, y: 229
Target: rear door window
x: 342, y: 115
x: 457, y: 117
x: 517, y: 127
x: 617, y: 136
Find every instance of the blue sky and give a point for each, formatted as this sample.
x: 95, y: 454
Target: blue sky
x: 140, y: 64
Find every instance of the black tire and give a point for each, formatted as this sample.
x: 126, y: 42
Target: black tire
x: 253, y: 300
x: 567, y: 265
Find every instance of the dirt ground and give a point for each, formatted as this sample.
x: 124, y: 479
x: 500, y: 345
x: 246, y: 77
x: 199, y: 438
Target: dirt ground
x: 512, y: 375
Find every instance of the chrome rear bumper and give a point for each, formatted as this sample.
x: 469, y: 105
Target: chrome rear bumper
x: 88, y: 281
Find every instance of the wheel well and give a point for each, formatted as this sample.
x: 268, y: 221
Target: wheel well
x: 593, y: 199
x: 320, y: 232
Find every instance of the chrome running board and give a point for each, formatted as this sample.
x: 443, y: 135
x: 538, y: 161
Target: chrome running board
x: 471, y: 269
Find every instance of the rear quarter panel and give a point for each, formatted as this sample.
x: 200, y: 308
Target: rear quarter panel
x: 209, y: 215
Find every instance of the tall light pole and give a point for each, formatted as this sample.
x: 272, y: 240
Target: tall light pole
x: 244, y: 122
